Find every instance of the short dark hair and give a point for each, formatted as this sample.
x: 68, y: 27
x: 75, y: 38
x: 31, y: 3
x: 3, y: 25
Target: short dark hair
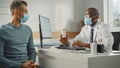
x: 93, y: 11
x: 17, y: 4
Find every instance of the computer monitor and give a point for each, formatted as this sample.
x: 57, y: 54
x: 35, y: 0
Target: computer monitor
x: 44, y: 23
x: 46, y: 33
x: 44, y: 28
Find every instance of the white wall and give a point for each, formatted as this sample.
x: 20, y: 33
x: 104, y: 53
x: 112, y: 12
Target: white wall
x: 73, y: 11
x: 64, y: 13
x: 35, y: 8
x: 96, y: 4
x: 4, y: 11
x: 40, y: 7
x: 79, y: 10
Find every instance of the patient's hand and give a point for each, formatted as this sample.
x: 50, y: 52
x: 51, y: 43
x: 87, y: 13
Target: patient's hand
x: 29, y: 64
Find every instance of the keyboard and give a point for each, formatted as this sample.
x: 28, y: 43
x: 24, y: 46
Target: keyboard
x: 70, y: 48
x: 47, y: 42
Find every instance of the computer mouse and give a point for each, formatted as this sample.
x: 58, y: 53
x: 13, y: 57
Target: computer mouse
x: 61, y: 45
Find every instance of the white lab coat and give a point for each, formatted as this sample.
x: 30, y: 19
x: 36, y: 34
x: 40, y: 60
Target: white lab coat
x: 102, y: 35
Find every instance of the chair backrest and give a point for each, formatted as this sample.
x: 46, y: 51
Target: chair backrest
x: 116, y: 36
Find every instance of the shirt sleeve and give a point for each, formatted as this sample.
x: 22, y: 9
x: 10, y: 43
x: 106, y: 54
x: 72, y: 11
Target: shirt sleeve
x: 31, y: 49
x: 107, y: 38
x: 5, y: 61
x: 79, y: 37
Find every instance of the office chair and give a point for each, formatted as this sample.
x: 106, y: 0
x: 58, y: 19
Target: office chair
x: 116, y: 43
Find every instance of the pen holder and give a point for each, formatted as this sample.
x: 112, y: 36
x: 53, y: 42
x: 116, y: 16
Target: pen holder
x: 100, y: 48
x: 93, y: 47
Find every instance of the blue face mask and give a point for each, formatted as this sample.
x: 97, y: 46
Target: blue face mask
x: 87, y: 21
x: 24, y: 18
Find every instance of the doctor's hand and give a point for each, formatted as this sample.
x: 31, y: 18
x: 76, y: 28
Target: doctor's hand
x: 76, y: 43
x: 64, y: 40
x: 80, y: 44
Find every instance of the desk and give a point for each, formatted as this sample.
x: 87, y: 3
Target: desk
x: 58, y: 58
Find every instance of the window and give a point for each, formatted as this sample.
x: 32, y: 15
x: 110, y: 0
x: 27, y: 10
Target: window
x: 115, y: 15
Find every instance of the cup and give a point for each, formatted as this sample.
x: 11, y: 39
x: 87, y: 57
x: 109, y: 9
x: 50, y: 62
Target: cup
x: 93, y: 47
x: 100, y: 48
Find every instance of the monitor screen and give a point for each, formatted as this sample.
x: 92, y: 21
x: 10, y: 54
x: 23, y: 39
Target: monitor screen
x: 45, y: 27
x: 46, y: 33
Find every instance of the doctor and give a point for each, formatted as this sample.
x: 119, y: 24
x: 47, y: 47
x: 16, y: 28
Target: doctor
x: 94, y: 31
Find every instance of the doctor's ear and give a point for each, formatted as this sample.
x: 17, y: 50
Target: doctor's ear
x: 95, y: 19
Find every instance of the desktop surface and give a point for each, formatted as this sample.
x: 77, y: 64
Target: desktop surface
x: 62, y: 58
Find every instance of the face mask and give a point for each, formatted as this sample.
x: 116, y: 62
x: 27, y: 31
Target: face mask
x: 24, y: 18
x: 87, y: 21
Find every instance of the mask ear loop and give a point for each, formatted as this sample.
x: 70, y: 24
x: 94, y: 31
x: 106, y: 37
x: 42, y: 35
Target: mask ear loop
x: 94, y: 19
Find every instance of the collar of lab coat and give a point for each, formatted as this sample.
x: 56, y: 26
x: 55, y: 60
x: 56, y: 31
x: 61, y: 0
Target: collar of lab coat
x: 96, y: 29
